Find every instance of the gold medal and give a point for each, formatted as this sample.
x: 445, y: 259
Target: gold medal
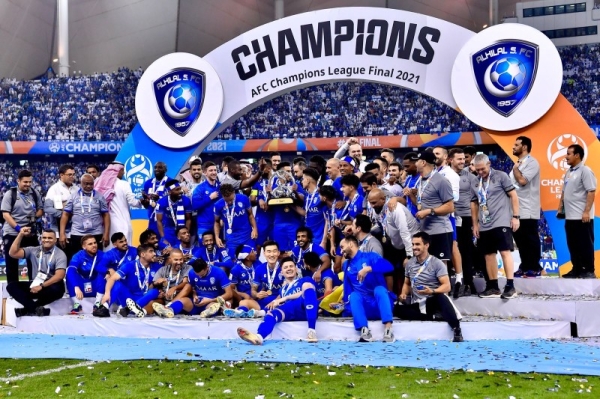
x: 384, y: 239
x: 269, y: 292
x: 419, y: 207
x: 286, y: 209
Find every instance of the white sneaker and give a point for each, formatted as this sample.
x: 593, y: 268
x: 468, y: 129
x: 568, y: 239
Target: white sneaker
x: 388, y: 335
x: 136, y: 309
x: 162, y: 311
x: 247, y: 336
x: 312, y: 336
x: 258, y: 313
x: 365, y: 335
x: 210, y: 310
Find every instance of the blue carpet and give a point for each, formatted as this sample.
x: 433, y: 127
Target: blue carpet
x: 511, y: 355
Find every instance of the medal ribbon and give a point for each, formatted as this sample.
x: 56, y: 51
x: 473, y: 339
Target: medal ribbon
x: 271, y: 279
x: 47, y: 263
x: 144, y: 286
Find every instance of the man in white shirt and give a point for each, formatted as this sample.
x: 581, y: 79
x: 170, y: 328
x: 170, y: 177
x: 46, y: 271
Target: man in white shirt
x: 354, y: 150
x: 56, y: 199
x: 119, y: 197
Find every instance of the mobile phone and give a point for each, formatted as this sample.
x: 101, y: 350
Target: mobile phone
x: 420, y: 287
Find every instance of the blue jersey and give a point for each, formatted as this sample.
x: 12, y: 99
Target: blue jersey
x: 337, y: 185
x: 242, y: 277
x: 353, y: 207
x: 411, y: 182
x: 235, y: 218
x: 373, y: 279
x: 261, y: 278
x: 298, y: 256
x: 316, y: 214
x: 217, y: 257
x: 114, y: 258
x: 202, y: 203
x: 136, y: 277
x: 194, y: 251
x: 327, y: 274
x: 173, y: 213
x: 88, y: 266
x: 289, y: 218
x: 210, y: 286
x: 153, y: 186
x: 288, y: 289
x: 261, y: 194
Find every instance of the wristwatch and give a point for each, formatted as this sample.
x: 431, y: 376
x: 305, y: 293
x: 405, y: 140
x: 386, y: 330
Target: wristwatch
x: 432, y: 212
x: 516, y: 217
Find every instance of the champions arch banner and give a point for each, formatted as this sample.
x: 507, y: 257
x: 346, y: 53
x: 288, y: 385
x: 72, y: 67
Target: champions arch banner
x: 506, y: 78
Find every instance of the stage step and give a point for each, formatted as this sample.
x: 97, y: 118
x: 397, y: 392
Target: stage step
x: 549, y: 286
x: 474, y: 328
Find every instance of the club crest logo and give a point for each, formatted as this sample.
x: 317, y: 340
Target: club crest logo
x: 212, y: 280
x: 179, y: 96
x: 504, y: 73
x: 557, y: 150
x: 138, y: 169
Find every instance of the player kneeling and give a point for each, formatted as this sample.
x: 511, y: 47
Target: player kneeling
x: 210, y: 288
x: 297, y: 302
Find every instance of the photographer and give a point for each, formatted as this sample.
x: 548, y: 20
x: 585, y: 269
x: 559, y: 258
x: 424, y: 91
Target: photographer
x: 21, y: 206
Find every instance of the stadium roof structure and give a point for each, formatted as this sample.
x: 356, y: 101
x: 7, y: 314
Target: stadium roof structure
x: 107, y: 34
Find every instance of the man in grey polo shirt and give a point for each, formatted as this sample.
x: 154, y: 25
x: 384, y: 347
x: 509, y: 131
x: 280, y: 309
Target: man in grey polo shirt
x: 495, y: 218
x: 525, y: 177
x: 21, y: 207
x: 88, y: 212
x: 49, y: 264
x: 361, y: 229
x: 435, y: 202
x: 234, y: 176
x: 577, y: 207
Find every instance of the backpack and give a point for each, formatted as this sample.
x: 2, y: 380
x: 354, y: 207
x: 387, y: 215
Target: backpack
x: 13, y: 193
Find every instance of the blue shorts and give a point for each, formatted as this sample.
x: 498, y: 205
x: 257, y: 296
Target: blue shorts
x: 265, y: 301
x: 285, y: 236
x: 293, y: 310
x: 453, y: 223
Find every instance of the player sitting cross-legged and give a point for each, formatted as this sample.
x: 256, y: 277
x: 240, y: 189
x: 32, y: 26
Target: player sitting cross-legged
x: 210, y: 289
x: 297, y: 302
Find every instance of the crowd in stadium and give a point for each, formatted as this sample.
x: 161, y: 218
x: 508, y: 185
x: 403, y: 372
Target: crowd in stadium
x: 415, y: 219
x: 100, y: 107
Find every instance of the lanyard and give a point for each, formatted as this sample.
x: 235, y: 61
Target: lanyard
x: 483, y: 192
x: 264, y: 188
x: 421, y: 187
x: 250, y: 271
x: 160, y: 184
x: 170, y: 277
x: 230, y: 215
x: 185, y: 251
x: 27, y: 201
x: 81, y: 196
x: 568, y: 177
x: 171, y: 207
x: 144, y: 286
x: 214, y: 254
x: 309, y: 202
x: 332, y: 215
x: 122, y: 259
x: 287, y: 286
x: 271, y: 278
x: 93, y: 265
x: 301, y: 254
x: 364, y: 242
x: 49, y: 260
x: 421, y: 269
x: 348, y: 204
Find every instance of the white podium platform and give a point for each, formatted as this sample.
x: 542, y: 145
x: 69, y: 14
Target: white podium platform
x: 327, y: 329
x: 549, y: 286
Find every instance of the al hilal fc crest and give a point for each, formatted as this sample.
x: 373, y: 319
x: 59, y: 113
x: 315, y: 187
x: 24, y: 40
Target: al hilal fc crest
x: 179, y: 96
x: 504, y: 73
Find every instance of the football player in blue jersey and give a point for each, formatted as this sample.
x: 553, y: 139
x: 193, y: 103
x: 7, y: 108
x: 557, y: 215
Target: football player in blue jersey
x: 120, y: 253
x: 286, y: 218
x: 365, y: 289
x: 328, y: 281
x: 260, y: 196
x: 184, y: 244
x: 314, y: 209
x: 172, y: 211
x: 354, y: 201
x: 214, y: 256
x: 204, y: 197
x: 304, y: 240
x: 155, y: 189
x: 242, y: 274
x: 235, y: 211
x: 296, y: 302
x: 210, y: 290
x: 132, y: 281
x: 266, y: 284
x: 85, y: 274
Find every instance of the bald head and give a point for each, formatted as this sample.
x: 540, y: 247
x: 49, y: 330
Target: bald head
x: 87, y: 183
x: 332, y: 168
x: 376, y: 198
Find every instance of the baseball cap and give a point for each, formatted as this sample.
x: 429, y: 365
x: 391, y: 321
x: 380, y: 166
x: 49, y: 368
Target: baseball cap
x: 246, y: 250
x: 349, y: 160
x: 426, y: 156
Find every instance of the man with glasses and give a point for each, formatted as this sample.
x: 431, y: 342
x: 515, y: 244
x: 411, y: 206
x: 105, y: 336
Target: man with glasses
x: 56, y: 199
